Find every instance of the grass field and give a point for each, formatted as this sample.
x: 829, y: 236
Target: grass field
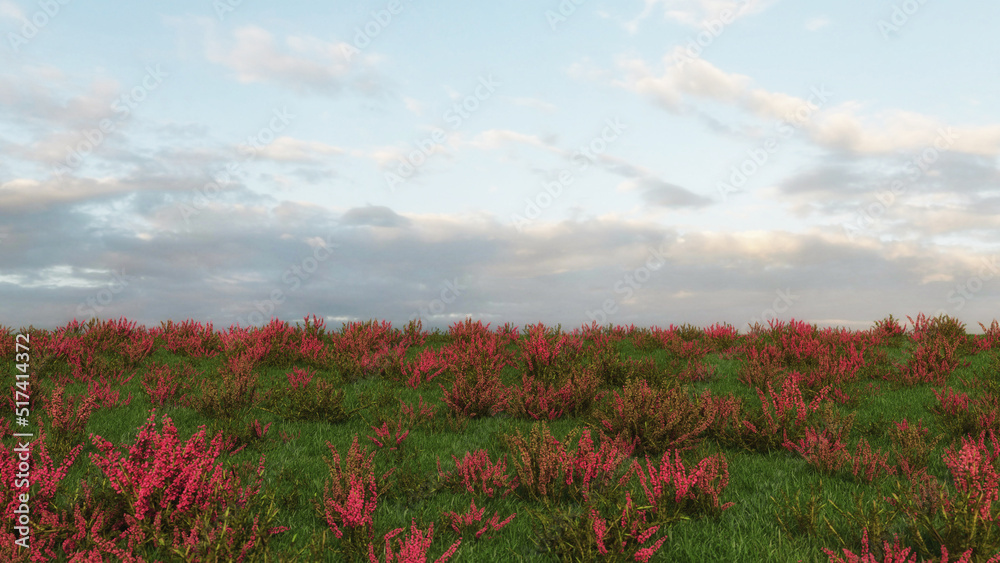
x: 647, y: 398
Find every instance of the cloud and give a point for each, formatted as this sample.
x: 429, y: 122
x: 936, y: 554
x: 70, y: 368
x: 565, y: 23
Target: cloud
x: 390, y: 156
x: 659, y: 193
x: 374, y: 216
x: 696, y: 77
x: 494, y: 138
x: 895, y: 130
x: 288, y: 149
x: 335, y: 264
x: 11, y: 11
x: 69, y: 119
x: 654, y: 191
x: 28, y: 195
x: 587, y: 70
x: 836, y: 127
x: 415, y: 107
x: 313, y: 66
x: 39, y: 93
x: 892, y: 196
x: 696, y: 13
x: 817, y: 23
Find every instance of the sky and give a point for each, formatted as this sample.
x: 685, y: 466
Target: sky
x: 646, y: 162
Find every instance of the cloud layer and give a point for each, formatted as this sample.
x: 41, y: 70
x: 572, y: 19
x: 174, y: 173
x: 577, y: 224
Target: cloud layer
x: 254, y: 165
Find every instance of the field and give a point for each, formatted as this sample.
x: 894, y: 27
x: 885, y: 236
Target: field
x: 280, y: 443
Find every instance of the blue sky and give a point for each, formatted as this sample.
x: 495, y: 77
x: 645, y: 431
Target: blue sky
x: 658, y: 162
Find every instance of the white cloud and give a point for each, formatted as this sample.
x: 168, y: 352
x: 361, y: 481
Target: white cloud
x: 40, y: 92
x: 26, y: 194
x: 711, y: 277
x: 384, y: 157
x: 695, y: 77
x: 10, y: 10
x: 900, y: 130
x: 315, y: 65
x: 289, y: 149
x: 587, y: 70
x: 495, y: 138
x: 698, y: 13
x: 838, y: 127
x: 414, y: 106
x: 814, y: 24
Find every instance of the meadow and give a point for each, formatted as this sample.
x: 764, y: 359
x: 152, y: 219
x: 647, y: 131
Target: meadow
x: 279, y: 443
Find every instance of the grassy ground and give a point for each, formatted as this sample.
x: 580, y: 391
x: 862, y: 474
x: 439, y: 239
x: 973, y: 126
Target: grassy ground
x: 763, y: 485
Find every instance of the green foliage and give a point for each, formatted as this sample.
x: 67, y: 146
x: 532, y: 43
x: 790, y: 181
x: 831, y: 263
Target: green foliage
x: 229, y: 392
x: 319, y: 403
x: 690, y: 333
x: 227, y: 397
x: 564, y: 534
x: 796, y: 519
x: 952, y: 330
